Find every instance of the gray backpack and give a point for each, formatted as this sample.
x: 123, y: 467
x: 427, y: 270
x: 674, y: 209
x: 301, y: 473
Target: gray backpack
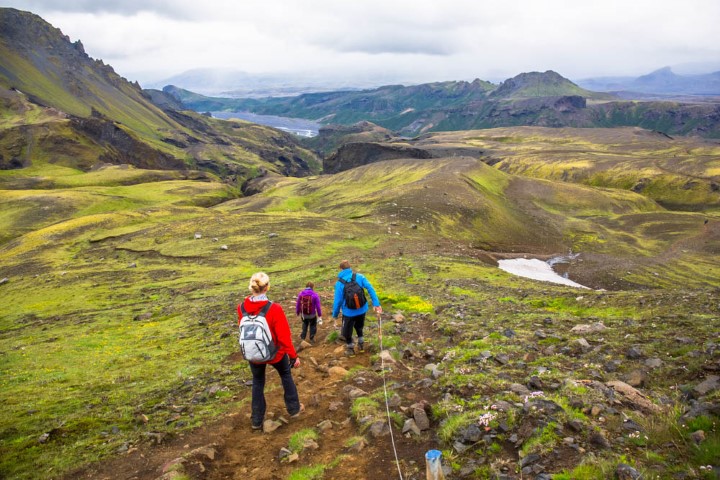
x: 256, y: 342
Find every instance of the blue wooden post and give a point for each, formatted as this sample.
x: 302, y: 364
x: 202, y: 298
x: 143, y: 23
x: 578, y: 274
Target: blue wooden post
x: 433, y: 465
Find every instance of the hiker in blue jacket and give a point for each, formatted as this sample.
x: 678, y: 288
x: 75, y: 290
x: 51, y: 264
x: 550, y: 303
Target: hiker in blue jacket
x: 350, y: 297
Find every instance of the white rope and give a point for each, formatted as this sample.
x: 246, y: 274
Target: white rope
x: 387, y: 404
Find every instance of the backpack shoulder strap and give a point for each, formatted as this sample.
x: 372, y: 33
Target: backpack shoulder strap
x: 352, y: 279
x: 262, y: 311
x: 265, y: 309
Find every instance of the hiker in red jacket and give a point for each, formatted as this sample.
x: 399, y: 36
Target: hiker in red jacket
x: 285, y: 358
x: 308, y: 308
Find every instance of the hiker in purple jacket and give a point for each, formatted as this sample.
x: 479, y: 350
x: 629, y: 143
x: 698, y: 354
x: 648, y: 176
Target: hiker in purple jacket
x: 308, y: 308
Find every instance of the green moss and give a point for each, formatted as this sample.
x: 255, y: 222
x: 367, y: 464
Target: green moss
x: 297, y: 440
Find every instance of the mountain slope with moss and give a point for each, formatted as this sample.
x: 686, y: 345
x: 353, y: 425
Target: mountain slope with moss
x: 124, y: 252
x: 54, y: 95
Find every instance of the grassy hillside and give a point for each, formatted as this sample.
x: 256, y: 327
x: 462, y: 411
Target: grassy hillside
x: 119, y: 323
x: 679, y: 173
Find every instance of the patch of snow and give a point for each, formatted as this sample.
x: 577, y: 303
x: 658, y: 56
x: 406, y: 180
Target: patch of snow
x: 535, y: 269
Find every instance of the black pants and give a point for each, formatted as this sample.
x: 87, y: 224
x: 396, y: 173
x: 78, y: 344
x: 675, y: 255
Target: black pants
x: 312, y: 323
x: 356, y: 322
x: 292, y: 401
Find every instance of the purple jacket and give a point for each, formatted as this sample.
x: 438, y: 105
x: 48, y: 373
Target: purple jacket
x: 315, y: 300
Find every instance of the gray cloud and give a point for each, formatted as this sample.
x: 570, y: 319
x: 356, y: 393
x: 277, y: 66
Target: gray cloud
x: 167, y: 8
x: 421, y: 39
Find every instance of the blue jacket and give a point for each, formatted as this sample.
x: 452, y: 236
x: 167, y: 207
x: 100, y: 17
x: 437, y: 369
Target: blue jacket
x: 340, y: 300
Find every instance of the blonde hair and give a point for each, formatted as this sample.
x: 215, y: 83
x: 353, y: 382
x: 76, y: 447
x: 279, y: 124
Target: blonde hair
x: 259, y: 283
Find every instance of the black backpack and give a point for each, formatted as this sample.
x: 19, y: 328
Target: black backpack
x: 353, y: 293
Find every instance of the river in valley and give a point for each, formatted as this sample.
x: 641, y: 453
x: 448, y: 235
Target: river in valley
x: 298, y: 126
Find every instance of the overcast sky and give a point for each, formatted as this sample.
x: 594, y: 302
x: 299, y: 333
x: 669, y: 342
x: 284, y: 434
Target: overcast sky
x: 407, y: 40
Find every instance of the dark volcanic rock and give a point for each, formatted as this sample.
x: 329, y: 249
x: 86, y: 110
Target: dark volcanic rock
x: 357, y: 154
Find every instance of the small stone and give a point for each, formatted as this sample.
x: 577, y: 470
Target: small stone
x: 198, y: 236
x: 502, y: 359
x: 335, y: 406
x: 395, y: 401
x: 599, y: 440
x: 575, y: 426
x: 304, y: 345
x: 337, y: 372
x: 653, y: 362
x: 284, y: 453
x: 132, y: 265
x: 223, y: 247
x: 358, y: 445
x: 596, y: 410
x: 698, y: 436
x: 387, y: 358
x: 411, y: 426
x: 379, y: 429
x: 535, y: 383
x: 521, y: 390
x: 44, y: 438
x: 588, y: 328
x: 582, y: 345
x: 398, y: 318
x: 273, y: 235
x: 310, y: 444
x: 626, y: 472
x: 529, y: 460
x: 270, y: 426
x: 472, y: 434
x: 636, y: 378
x: 634, y: 353
x: 509, y: 332
x: 4, y: 280
x: 325, y: 425
x: 711, y: 383
x: 460, y: 447
x: 421, y: 419
x: 356, y: 393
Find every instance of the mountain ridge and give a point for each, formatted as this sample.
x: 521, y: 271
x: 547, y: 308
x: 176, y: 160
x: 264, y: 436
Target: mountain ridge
x: 40, y: 66
x: 543, y: 99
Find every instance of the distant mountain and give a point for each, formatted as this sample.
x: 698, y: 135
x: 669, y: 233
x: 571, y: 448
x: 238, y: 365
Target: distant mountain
x: 239, y: 84
x: 92, y: 115
x: 535, y: 99
x: 537, y: 84
x: 662, y: 82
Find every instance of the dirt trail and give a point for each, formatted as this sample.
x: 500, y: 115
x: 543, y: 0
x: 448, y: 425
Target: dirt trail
x: 241, y: 453
x: 246, y: 454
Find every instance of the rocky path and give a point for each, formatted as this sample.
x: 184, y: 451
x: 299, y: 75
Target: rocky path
x: 341, y: 442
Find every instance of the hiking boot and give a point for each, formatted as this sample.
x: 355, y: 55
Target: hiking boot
x: 257, y: 427
x: 361, y: 347
x: 297, y: 414
x: 349, y: 351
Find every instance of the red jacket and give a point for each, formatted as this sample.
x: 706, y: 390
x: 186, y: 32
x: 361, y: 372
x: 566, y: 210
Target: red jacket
x: 279, y: 327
